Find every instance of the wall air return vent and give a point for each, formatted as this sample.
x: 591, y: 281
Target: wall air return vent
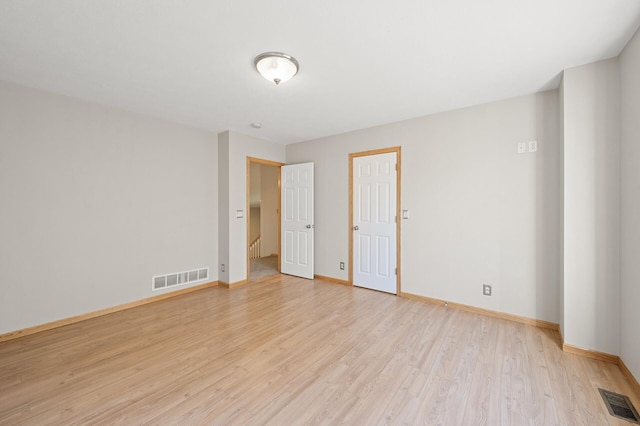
x: 159, y: 282
x: 170, y: 280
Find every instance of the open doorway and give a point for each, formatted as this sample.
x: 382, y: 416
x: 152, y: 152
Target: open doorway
x: 263, y: 218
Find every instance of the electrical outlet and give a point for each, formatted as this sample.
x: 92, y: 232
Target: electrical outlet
x: 522, y: 147
x: 342, y: 266
x: 222, y: 267
x: 533, y: 146
x: 486, y: 289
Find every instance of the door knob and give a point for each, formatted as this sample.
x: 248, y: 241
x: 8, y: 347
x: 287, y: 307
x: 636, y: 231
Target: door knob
x: 355, y: 228
x: 308, y: 226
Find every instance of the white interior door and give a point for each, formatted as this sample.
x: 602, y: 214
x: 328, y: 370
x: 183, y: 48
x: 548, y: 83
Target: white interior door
x: 374, y: 222
x: 297, y: 220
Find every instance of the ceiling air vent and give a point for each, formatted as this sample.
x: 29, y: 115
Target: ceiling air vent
x: 170, y: 280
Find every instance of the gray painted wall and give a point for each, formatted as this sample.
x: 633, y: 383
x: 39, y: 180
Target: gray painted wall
x: 561, y: 112
x: 234, y: 150
x: 592, y: 206
x: 95, y: 201
x: 224, y: 214
x: 479, y: 211
x: 630, y: 206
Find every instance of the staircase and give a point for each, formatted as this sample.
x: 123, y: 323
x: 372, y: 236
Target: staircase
x: 254, y: 248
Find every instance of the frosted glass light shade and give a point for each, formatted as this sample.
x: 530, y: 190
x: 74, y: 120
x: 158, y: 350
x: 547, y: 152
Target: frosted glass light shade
x: 277, y: 67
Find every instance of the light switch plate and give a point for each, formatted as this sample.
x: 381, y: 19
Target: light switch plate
x: 239, y: 214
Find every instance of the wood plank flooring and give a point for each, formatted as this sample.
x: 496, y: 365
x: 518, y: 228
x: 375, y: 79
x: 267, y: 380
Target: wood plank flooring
x: 291, y: 351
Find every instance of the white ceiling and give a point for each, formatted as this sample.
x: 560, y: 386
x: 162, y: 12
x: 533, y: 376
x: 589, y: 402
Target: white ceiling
x: 363, y: 63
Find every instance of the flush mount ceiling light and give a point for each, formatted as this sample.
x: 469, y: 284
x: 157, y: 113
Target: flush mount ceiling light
x: 275, y: 66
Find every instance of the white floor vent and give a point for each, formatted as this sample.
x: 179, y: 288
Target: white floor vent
x: 163, y: 281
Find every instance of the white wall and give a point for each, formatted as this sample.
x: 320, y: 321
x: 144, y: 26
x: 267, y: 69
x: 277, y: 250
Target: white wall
x: 254, y: 229
x: 254, y: 201
x: 254, y: 195
x: 224, y: 213
x: 592, y: 206
x: 235, y: 184
x: 94, y: 202
x: 561, y: 300
x: 630, y: 206
x: 269, y: 210
x: 480, y: 212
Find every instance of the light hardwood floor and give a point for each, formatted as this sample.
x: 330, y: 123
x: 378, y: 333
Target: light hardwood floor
x: 291, y: 351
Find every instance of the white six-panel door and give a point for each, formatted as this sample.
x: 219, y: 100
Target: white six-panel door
x: 297, y: 228
x: 374, y: 222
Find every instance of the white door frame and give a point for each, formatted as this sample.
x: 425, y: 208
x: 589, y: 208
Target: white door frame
x: 397, y: 150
